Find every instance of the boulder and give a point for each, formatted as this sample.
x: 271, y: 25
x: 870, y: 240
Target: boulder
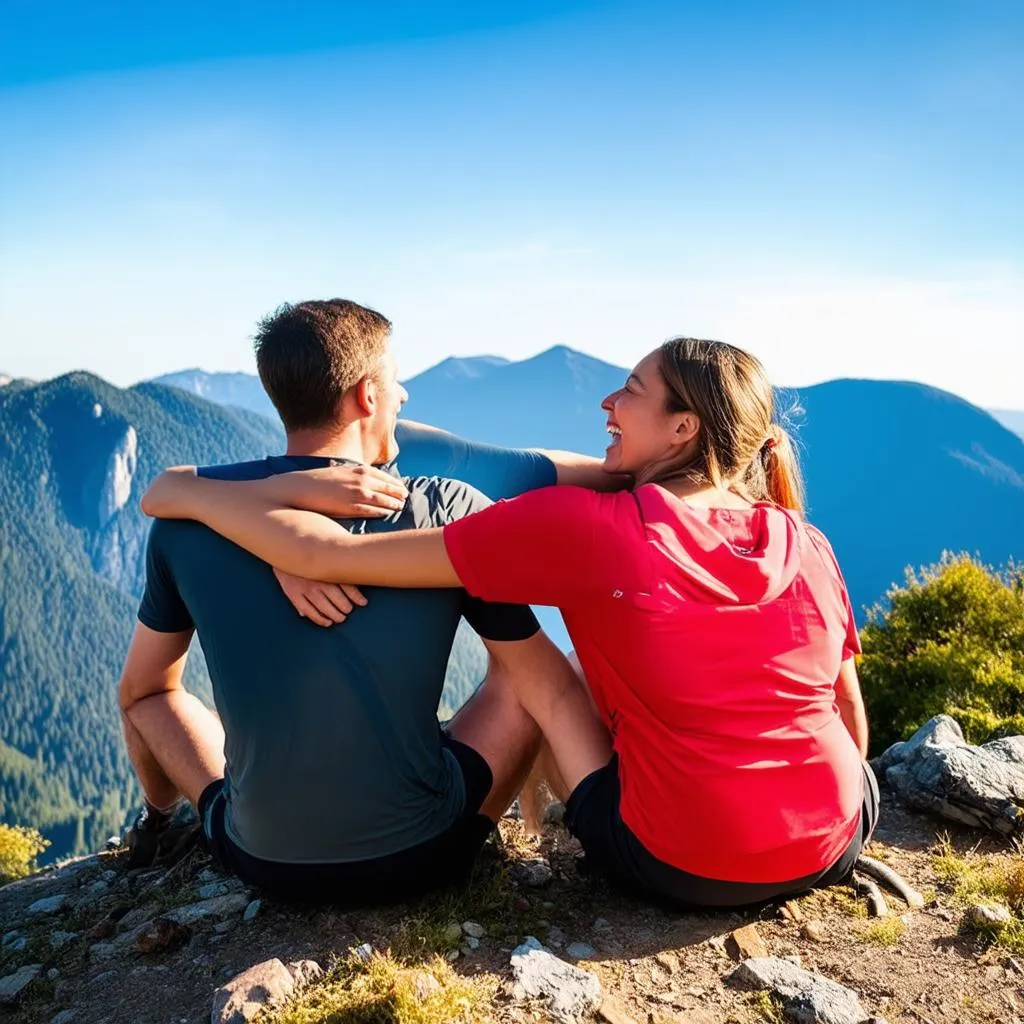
x: 937, y: 771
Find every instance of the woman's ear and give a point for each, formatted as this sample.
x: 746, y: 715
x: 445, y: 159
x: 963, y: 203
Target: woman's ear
x: 687, y: 428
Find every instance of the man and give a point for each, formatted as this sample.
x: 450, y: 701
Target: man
x: 326, y: 775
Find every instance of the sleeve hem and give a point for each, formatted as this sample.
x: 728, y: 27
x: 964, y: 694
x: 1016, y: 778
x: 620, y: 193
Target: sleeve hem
x: 161, y: 625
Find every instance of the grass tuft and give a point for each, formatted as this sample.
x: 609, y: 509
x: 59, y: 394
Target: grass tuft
x: 387, y: 990
x: 768, y: 1007
x: 980, y: 878
x: 886, y: 931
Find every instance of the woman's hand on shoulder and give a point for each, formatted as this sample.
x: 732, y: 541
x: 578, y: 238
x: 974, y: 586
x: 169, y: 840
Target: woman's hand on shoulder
x: 325, y: 604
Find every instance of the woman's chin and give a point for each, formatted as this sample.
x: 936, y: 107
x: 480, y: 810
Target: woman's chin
x: 613, y: 460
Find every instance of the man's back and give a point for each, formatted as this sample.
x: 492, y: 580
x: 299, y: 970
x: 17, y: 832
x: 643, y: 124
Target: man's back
x: 333, y: 749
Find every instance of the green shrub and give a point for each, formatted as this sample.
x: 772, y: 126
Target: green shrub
x: 19, y: 848
x: 951, y: 642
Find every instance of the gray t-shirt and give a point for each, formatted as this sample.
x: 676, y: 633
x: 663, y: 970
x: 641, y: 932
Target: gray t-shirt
x: 333, y: 747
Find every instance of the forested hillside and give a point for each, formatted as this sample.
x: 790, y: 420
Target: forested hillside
x: 75, y: 454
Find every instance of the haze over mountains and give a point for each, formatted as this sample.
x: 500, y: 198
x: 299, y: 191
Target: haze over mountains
x: 897, y: 473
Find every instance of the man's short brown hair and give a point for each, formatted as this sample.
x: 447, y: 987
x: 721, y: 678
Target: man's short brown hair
x: 310, y: 354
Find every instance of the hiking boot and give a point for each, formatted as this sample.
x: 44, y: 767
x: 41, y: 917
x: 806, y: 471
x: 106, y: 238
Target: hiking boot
x: 156, y: 839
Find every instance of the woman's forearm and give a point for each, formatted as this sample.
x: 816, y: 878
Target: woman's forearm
x: 257, y: 516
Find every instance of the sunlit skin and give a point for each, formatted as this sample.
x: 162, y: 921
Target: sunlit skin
x: 645, y: 436
x: 389, y: 396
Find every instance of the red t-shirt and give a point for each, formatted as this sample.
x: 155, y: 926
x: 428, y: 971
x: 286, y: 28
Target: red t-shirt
x: 711, y: 639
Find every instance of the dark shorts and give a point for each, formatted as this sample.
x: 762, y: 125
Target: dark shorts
x: 592, y: 815
x: 447, y: 859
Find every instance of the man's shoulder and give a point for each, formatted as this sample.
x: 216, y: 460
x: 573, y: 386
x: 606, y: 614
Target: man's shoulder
x: 438, y: 500
x: 258, y: 469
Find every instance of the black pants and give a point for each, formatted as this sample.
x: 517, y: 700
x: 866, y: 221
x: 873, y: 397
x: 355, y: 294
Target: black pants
x: 592, y: 815
x: 447, y: 859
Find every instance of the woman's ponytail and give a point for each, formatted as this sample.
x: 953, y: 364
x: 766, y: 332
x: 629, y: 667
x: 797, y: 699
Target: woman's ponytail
x: 783, y: 482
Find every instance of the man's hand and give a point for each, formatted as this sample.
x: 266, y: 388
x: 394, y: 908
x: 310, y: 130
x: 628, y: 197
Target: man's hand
x: 322, y: 603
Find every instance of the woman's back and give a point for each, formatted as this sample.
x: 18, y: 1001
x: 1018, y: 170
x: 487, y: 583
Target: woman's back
x: 711, y: 640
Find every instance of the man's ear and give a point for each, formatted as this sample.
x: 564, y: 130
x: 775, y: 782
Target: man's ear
x: 366, y: 395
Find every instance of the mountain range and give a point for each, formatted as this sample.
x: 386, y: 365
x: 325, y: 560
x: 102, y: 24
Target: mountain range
x: 897, y: 473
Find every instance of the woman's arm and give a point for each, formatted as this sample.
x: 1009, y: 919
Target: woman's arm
x: 265, y: 518
x: 851, y: 705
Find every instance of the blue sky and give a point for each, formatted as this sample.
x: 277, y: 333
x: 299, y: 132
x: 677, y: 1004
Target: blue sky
x: 835, y: 186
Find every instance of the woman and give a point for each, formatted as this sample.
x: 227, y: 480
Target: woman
x: 719, y: 759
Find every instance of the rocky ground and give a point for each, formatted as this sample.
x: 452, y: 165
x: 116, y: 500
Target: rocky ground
x: 88, y: 943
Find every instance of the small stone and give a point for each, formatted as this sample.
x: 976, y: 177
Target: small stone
x: 423, y: 985
x: 98, y: 888
x: 137, y: 916
x: 522, y: 904
x: 452, y: 955
x: 252, y: 910
x: 109, y: 876
x: 113, y: 843
x: 19, y: 945
x: 556, y: 937
x: 305, y: 972
x: 363, y: 952
x: 49, y: 904
x: 12, y: 936
x: 476, y: 931
x: 568, y: 992
x: 612, y: 1012
x: 160, y: 936
x: 815, y: 931
x: 212, y: 889
x: 667, y: 960
x: 658, y: 977
x: 60, y: 939
x: 102, y: 978
x: 52, y: 974
x: 987, y: 917
x: 219, y: 906
x: 64, y: 1017
x: 717, y: 942
x: 535, y: 873
x: 472, y: 942
x: 223, y: 927
x: 14, y: 984
x: 746, y: 942
x: 554, y: 813
x: 601, y: 924
x: 453, y: 932
x: 790, y: 911
x: 102, y: 951
x: 264, y: 985
x: 580, y: 951
x: 696, y: 991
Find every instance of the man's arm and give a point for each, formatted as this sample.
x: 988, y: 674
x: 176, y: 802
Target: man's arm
x: 155, y: 663
x: 851, y: 705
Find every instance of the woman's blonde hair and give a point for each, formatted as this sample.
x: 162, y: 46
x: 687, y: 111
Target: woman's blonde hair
x: 739, y: 445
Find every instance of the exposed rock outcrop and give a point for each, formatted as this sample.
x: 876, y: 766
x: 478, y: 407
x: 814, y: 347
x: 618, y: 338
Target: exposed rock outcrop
x: 936, y: 770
